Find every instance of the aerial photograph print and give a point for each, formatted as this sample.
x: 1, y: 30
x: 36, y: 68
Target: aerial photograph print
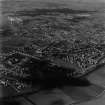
x: 52, y: 52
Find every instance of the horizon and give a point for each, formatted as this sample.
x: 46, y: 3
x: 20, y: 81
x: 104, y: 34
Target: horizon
x: 72, y: 4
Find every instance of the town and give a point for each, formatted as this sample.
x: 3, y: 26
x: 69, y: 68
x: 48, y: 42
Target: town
x: 41, y: 45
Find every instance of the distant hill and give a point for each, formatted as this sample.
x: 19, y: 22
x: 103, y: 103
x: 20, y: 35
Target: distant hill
x: 16, y: 5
